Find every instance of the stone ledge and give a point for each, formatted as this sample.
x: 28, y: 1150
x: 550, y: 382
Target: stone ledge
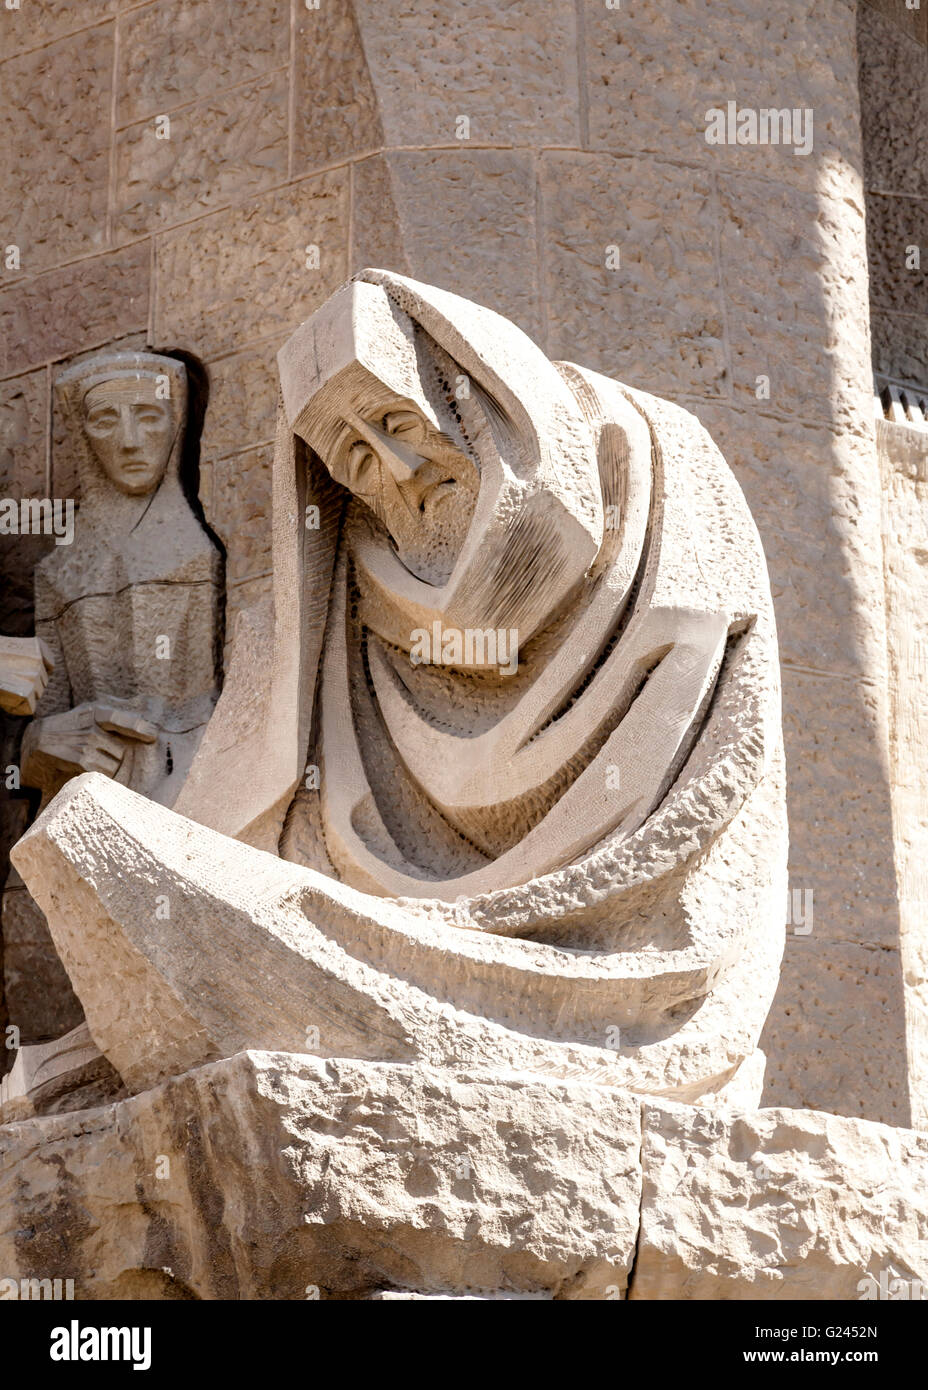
x: 279, y: 1176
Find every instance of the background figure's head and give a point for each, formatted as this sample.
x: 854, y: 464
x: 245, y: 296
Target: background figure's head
x: 129, y: 409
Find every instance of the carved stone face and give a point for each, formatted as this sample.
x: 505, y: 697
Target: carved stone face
x: 130, y: 432
x: 413, y: 477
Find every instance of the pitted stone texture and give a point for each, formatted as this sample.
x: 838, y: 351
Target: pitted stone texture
x: 789, y: 258
x: 903, y: 453
x: 780, y: 1204
x: 250, y: 266
x: 38, y: 22
x: 431, y: 64
x: 811, y: 493
x: 912, y: 22
x: 228, y: 147
x: 893, y: 102
x: 854, y: 1056
x: 654, y: 72
x: 841, y: 791
x: 659, y: 221
x: 174, y: 54
x: 468, y: 224
x: 80, y: 306
x: 279, y: 1176
x: 23, y: 429
x: 54, y: 133
x: 894, y: 227
x: 241, y: 492
x: 242, y: 404
x: 900, y: 345
x: 336, y: 110
x: 376, y: 235
x: 287, y: 1174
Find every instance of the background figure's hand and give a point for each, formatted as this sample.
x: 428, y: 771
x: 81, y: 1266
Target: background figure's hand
x: 88, y: 738
x: 25, y: 664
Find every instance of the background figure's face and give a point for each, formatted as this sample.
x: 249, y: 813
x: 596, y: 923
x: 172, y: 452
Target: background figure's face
x: 130, y: 432
x: 414, y: 478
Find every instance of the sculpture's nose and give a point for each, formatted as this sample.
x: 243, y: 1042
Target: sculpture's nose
x: 130, y: 430
x: 400, y: 458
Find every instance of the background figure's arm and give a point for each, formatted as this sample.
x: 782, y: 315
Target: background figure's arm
x: 25, y: 664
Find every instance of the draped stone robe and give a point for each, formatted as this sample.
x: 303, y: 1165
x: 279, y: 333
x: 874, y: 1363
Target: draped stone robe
x: 592, y: 848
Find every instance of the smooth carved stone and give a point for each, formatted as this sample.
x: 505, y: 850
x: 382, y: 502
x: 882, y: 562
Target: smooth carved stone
x: 67, y: 1074
x: 25, y: 664
x: 218, y: 947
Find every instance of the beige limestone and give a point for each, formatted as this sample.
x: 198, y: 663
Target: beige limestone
x: 250, y: 265
x: 43, y: 93
x: 347, y: 1179
x: 66, y: 1074
x: 130, y: 611
x: 779, y: 1204
x: 25, y: 664
x: 627, y: 87
x: 107, y: 297
x: 230, y: 145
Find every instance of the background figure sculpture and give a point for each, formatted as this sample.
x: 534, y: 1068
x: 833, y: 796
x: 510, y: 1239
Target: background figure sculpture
x: 129, y: 616
x: 131, y: 611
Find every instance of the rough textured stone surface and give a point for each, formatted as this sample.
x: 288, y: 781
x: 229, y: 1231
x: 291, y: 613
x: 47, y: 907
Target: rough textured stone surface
x: 24, y: 409
x: 900, y: 345
x: 894, y: 107
x: 249, y: 264
x: 240, y: 486
x: 896, y: 225
x: 631, y: 83
x: 82, y: 305
x: 228, y: 147
x: 654, y: 74
x: 784, y: 258
x: 781, y: 1204
x: 38, y: 22
x: 38, y: 993
x: 468, y: 222
x: 336, y: 110
x: 242, y: 407
x: 130, y: 610
x: 662, y: 219
x: 173, y: 54
x: 903, y: 448
x: 855, y: 1059
x: 431, y: 64
x: 54, y: 133
x: 273, y: 1176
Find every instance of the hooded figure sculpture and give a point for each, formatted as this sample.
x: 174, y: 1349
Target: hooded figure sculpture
x: 130, y: 611
x: 518, y: 737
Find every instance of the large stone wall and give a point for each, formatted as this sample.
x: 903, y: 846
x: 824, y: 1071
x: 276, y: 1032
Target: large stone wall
x: 339, y: 128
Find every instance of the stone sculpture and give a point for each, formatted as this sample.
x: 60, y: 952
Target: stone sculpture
x: 130, y: 612
x: 576, y: 867
x: 470, y: 910
x: 129, y: 617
